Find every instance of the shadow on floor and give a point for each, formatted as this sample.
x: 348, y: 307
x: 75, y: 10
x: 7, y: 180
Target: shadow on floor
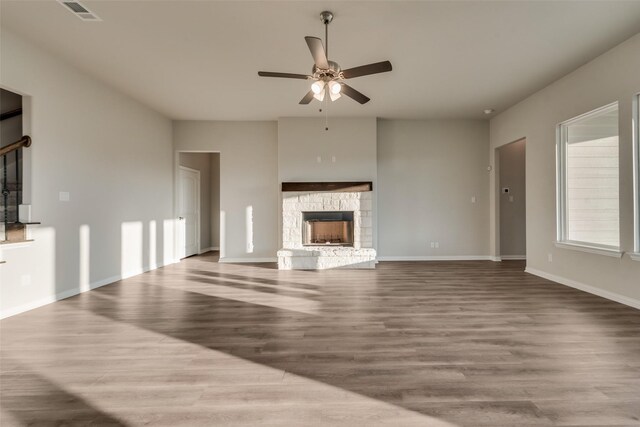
x: 41, y: 402
x: 421, y: 363
x: 471, y: 343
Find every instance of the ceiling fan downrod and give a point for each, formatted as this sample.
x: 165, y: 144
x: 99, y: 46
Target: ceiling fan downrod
x: 326, y: 18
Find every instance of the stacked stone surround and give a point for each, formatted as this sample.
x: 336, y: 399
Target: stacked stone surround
x: 295, y: 256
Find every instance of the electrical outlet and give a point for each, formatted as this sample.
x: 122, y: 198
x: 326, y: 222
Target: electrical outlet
x: 437, y: 244
x: 433, y: 245
x: 64, y: 196
x: 550, y: 257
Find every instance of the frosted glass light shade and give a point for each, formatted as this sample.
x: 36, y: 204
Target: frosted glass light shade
x: 317, y: 87
x: 335, y: 87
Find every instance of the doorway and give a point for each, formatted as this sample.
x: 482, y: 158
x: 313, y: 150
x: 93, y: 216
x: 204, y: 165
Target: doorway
x: 189, y: 212
x: 512, y: 200
x: 198, y: 204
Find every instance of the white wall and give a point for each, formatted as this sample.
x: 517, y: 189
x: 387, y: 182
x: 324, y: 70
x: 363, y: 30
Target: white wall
x: 248, y: 183
x: 202, y: 162
x: 614, y: 76
x: 428, y: 171
x: 346, y: 152
x: 114, y: 157
x: 513, y: 222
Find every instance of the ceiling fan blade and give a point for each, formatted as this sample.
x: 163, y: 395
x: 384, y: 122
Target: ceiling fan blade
x: 317, y: 51
x: 283, y: 75
x: 365, y: 70
x: 354, y: 94
x: 307, y: 98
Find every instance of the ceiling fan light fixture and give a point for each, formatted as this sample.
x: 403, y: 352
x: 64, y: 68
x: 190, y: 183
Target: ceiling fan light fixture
x: 335, y: 87
x: 317, y: 86
x: 327, y: 77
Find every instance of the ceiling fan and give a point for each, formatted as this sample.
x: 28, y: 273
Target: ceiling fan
x: 327, y: 75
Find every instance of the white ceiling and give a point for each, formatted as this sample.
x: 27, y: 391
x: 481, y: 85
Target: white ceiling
x: 199, y: 59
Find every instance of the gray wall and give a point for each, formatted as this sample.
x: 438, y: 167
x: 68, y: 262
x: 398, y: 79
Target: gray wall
x: 425, y: 174
x: 513, y: 225
x: 351, y: 141
x: 428, y: 172
x: 614, y: 76
x: 112, y: 154
x: 248, y: 180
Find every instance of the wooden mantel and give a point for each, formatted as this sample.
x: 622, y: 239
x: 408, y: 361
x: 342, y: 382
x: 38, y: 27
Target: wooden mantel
x: 350, y: 186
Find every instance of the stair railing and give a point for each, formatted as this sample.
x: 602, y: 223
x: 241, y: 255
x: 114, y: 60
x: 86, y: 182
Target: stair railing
x: 25, y: 141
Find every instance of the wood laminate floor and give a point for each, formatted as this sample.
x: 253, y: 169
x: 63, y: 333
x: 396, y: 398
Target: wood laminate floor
x: 407, y: 344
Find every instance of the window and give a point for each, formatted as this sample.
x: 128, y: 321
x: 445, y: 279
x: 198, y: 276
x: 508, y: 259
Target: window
x: 588, y: 202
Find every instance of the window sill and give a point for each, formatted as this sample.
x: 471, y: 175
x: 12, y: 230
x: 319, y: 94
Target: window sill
x: 634, y: 256
x: 615, y: 253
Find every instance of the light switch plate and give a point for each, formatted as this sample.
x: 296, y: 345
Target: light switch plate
x: 64, y: 196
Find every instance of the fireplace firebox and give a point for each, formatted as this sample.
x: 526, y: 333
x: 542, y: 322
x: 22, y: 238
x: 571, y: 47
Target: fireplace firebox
x: 327, y: 228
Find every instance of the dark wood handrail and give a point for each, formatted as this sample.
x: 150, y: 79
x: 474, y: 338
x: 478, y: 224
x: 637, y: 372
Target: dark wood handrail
x: 10, y: 114
x: 25, y: 141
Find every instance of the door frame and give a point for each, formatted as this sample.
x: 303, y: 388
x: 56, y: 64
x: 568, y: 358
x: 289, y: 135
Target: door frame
x: 177, y: 207
x: 496, y: 194
x: 176, y: 195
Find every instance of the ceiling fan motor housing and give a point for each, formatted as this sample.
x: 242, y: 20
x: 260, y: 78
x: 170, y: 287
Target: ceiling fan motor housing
x: 331, y: 73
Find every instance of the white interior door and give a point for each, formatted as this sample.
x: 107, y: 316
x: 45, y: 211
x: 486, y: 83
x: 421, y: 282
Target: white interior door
x: 189, y: 212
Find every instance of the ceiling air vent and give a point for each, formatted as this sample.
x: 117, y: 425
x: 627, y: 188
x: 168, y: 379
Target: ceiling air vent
x: 80, y: 10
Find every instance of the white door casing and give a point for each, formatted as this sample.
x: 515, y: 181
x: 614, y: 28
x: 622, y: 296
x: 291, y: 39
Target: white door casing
x: 188, y: 212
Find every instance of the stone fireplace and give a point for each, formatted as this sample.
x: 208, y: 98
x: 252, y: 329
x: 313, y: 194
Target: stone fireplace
x: 327, y: 225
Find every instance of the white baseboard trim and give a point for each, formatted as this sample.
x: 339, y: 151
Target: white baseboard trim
x: 513, y: 257
x: 631, y: 302
x: 209, y: 249
x: 246, y: 260
x: 437, y: 258
x: 75, y: 291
